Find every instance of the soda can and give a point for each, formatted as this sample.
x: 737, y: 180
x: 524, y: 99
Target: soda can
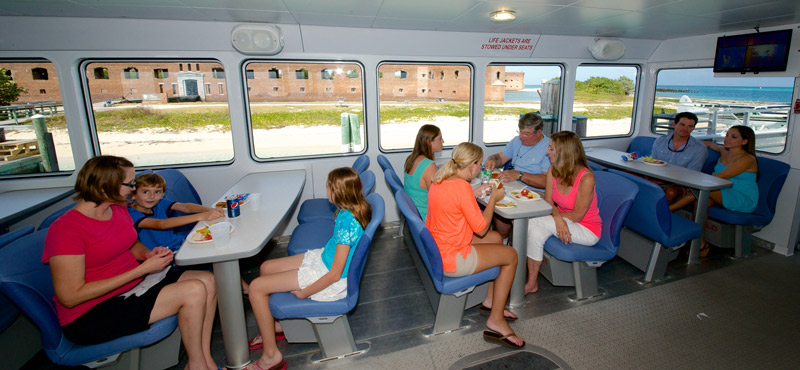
x: 232, y: 203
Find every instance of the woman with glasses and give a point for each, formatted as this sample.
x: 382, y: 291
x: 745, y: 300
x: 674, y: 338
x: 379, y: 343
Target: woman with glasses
x: 419, y: 168
x: 95, y: 261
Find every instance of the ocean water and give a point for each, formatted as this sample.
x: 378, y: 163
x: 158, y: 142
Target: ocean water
x: 735, y: 93
x: 528, y: 94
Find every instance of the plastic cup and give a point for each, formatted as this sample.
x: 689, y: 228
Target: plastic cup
x: 255, y: 201
x: 221, y: 234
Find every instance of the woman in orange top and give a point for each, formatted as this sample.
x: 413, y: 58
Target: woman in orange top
x: 461, y: 232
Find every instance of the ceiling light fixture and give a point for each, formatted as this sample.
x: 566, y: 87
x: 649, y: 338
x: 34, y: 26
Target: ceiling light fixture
x: 503, y: 15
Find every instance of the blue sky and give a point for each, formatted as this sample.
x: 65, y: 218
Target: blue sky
x: 691, y: 77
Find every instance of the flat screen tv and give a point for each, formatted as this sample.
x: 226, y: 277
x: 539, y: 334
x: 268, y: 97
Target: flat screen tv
x: 754, y: 52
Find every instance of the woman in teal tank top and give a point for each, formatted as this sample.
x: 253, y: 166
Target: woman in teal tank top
x: 419, y: 168
x: 737, y: 163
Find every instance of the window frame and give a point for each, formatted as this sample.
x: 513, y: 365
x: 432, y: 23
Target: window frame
x: 636, y: 96
x: 561, y: 66
x: 91, y: 125
x: 308, y: 75
x: 470, y: 120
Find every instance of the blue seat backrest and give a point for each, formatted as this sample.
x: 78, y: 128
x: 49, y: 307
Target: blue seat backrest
x: 771, y: 177
x: 8, y: 310
x: 384, y: 162
x: 711, y: 161
x: 642, y: 145
x: 367, y: 182
x: 359, y: 257
x: 422, y: 238
x: 649, y: 213
x: 361, y: 164
x: 55, y: 215
x: 615, y: 195
x: 179, y: 188
x: 26, y: 280
x: 391, y: 178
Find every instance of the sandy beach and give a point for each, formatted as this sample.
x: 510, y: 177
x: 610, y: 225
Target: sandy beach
x: 155, y: 146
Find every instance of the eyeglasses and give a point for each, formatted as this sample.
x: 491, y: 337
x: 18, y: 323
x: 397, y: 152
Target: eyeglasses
x: 524, y: 133
x: 131, y: 184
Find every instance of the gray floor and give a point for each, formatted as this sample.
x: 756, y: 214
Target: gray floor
x: 632, y: 327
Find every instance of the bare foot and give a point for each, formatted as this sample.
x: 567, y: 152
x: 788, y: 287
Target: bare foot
x: 504, y: 329
x: 264, y: 363
x: 486, y: 310
x: 532, y: 287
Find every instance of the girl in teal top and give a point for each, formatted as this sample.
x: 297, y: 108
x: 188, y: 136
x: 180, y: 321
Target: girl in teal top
x: 737, y: 163
x: 319, y: 274
x: 420, y: 169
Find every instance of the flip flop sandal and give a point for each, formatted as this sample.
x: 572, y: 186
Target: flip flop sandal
x: 485, y: 311
x: 492, y: 336
x: 251, y: 344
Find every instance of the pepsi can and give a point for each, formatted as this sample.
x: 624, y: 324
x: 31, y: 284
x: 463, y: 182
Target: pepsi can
x: 232, y: 203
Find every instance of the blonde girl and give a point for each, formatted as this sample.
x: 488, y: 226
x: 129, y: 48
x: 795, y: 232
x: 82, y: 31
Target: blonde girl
x: 320, y: 274
x: 570, y: 191
x: 467, y: 246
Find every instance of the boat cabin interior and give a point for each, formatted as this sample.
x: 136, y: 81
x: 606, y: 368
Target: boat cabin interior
x: 268, y: 97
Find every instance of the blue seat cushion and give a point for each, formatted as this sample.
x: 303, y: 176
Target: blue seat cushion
x: 738, y: 218
x: 287, y: 305
x: 311, y: 235
x: 681, y: 230
x: 315, y: 210
x: 450, y: 285
x: 602, y: 251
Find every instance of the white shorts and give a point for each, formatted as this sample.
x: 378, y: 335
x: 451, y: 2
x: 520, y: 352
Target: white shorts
x: 311, y: 270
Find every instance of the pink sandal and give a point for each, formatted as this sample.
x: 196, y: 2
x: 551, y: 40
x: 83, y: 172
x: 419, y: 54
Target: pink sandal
x: 280, y: 366
x: 251, y: 344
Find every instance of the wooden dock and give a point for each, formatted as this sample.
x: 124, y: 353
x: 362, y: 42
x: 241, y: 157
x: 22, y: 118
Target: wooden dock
x: 15, y: 149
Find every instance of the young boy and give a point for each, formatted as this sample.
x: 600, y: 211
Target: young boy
x: 152, y: 214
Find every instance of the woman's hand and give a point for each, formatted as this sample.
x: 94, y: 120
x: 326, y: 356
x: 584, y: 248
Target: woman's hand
x: 157, y: 261
x: 479, y: 191
x: 562, y: 231
x: 155, y: 252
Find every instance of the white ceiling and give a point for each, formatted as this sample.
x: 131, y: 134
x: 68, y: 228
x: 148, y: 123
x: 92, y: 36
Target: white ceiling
x: 647, y: 19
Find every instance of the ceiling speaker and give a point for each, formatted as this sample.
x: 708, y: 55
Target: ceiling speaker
x: 607, y: 49
x: 257, y: 39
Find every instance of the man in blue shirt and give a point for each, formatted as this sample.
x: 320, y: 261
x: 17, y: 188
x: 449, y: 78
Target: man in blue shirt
x: 529, y: 161
x: 680, y: 149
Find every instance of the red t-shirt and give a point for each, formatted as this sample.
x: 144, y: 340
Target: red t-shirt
x: 106, y: 246
x: 453, y: 216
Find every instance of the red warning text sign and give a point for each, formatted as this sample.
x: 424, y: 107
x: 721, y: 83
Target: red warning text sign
x: 507, y: 43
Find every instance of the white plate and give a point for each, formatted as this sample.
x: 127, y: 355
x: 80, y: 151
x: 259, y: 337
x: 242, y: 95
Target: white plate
x: 516, y: 195
x: 655, y: 164
x: 510, y: 203
x: 196, y: 232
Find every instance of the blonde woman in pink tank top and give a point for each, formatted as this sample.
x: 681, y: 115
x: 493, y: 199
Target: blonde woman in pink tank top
x: 570, y: 191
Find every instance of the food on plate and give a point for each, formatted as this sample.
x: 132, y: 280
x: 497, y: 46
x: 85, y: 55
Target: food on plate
x: 525, y: 194
x: 221, y: 205
x: 496, y: 183
x: 202, y: 234
x: 495, y: 174
x: 505, y: 202
x: 650, y: 159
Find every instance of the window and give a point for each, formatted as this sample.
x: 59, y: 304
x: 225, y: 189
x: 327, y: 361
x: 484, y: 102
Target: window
x: 275, y: 73
x: 131, y: 73
x: 250, y: 74
x: 327, y: 74
x: 39, y: 74
x: 177, y: 133
x: 208, y: 89
x: 298, y: 119
x: 351, y: 74
x: 161, y: 73
x: 604, y: 100
x: 161, y: 88
x: 221, y: 89
x: 513, y: 90
x: 762, y: 103
x: 101, y: 73
x: 218, y: 73
x: 403, y: 108
x: 26, y: 95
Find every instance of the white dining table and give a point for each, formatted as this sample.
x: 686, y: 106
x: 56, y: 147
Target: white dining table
x: 280, y: 192
x: 519, y: 215
x: 701, y: 184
